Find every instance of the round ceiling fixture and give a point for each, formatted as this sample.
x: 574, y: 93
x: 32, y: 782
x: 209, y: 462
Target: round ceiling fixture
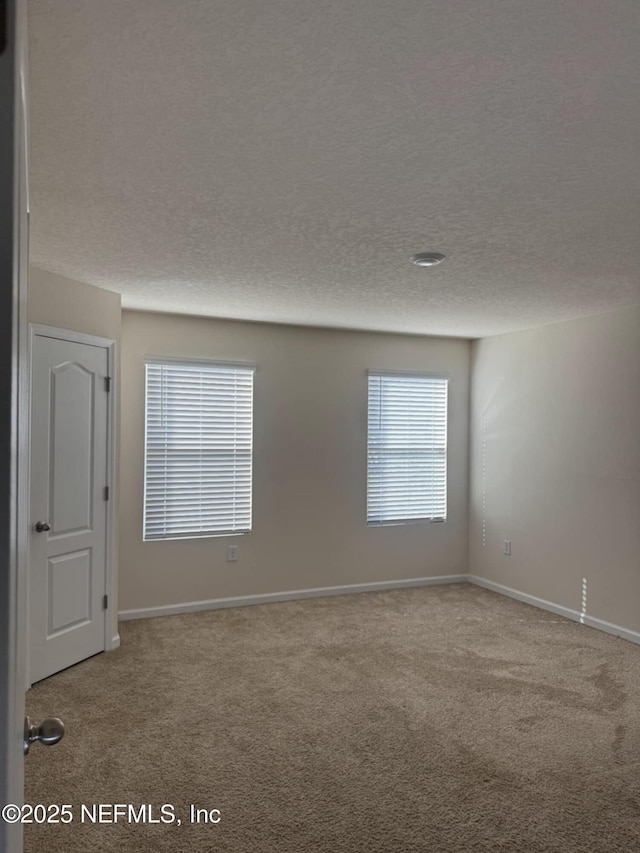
x: 427, y: 259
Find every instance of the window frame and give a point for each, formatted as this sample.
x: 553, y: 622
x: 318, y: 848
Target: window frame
x: 409, y: 374
x: 177, y: 361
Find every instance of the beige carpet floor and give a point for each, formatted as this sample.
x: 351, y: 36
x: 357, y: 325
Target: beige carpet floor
x: 434, y: 719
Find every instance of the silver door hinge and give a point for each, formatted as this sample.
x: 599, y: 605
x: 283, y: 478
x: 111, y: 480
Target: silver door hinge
x: 106, y: 493
x: 105, y: 602
x: 107, y: 384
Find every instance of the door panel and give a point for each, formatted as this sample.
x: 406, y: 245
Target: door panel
x: 71, y: 483
x: 69, y: 592
x: 68, y: 476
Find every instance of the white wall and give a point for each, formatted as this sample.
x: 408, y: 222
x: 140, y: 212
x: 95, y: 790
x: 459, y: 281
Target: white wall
x: 309, y: 527
x: 555, y: 449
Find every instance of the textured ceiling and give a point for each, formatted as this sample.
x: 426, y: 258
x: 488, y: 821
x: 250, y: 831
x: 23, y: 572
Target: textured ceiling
x: 281, y: 160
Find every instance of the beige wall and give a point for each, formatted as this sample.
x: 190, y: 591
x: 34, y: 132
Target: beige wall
x: 555, y: 449
x: 309, y: 527
x: 54, y: 300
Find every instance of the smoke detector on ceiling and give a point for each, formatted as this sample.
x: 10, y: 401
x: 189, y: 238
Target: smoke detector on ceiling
x: 427, y: 259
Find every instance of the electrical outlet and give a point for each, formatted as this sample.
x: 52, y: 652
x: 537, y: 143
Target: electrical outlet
x: 507, y: 547
x: 232, y: 553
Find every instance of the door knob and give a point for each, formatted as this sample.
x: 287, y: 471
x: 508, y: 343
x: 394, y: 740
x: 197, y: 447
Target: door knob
x: 49, y: 732
x: 42, y: 526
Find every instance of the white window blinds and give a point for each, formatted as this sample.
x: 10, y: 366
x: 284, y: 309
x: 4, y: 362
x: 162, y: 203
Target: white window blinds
x: 406, y: 449
x: 198, y: 455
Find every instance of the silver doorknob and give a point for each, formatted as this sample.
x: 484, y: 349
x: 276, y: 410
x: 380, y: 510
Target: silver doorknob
x: 42, y: 526
x: 49, y: 732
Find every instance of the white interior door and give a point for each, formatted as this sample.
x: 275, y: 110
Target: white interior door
x: 67, y: 556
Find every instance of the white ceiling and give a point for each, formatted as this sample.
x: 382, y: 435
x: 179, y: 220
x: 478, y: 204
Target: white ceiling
x: 281, y: 160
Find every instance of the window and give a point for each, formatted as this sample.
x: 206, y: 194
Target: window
x: 406, y: 448
x: 198, y: 453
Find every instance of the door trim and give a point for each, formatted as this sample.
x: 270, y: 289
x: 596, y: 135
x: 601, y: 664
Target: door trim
x: 111, y: 637
x: 13, y: 445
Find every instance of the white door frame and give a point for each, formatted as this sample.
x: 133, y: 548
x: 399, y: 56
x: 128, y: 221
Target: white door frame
x: 111, y: 641
x: 14, y: 487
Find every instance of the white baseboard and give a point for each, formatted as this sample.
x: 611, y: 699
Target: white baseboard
x: 558, y: 609
x: 270, y: 597
x: 115, y: 642
x: 376, y: 586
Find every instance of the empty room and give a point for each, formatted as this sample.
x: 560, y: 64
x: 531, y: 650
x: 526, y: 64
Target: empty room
x: 320, y: 432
